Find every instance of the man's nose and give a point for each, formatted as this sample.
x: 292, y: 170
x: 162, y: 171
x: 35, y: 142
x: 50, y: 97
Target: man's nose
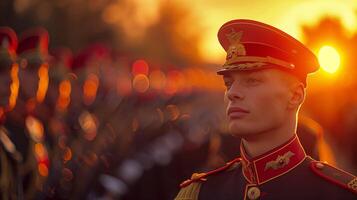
x: 234, y: 93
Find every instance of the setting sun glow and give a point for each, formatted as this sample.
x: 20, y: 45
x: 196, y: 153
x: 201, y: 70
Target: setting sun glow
x: 329, y: 59
x: 288, y: 16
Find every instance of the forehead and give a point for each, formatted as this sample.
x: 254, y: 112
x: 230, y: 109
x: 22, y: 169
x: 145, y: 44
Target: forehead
x: 269, y: 72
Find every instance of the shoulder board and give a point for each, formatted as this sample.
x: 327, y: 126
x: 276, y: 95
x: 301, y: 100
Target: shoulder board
x: 197, y: 177
x: 335, y: 175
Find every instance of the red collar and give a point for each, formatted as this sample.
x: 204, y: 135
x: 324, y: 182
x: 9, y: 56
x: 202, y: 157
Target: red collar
x: 274, y: 163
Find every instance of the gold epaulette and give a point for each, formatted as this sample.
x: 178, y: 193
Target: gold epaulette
x: 335, y: 175
x: 190, y: 188
x: 189, y: 192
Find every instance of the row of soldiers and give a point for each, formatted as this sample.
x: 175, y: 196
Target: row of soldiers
x: 94, y: 126
x: 47, y: 112
x: 67, y: 120
x: 32, y: 136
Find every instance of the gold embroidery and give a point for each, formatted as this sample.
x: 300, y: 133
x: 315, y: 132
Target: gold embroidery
x: 236, y: 48
x: 246, y: 65
x: 353, y: 184
x: 236, y: 53
x: 190, y: 192
x: 280, y: 161
x: 267, y: 59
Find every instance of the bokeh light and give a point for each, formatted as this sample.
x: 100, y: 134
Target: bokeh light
x: 43, y: 169
x: 67, y: 154
x: 35, y: 128
x: 43, y: 82
x: 14, y: 87
x: 140, y: 67
x: 64, y: 97
x: 141, y: 83
x: 40, y: 151
x: 88, y: 123
x: 90, y: 88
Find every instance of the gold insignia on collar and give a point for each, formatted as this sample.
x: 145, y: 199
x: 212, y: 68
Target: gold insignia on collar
x: 280, y: 161
x: 236, y: 48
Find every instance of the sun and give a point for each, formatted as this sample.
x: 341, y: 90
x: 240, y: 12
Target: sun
x: 329, y: 59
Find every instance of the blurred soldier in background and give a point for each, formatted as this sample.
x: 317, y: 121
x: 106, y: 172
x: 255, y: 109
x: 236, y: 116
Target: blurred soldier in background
x: 58, y: 100
x: 10, y: 158
x: 30, y: 112
x: 87, y: 112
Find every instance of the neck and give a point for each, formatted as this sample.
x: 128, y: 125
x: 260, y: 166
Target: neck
x: 263, y: 142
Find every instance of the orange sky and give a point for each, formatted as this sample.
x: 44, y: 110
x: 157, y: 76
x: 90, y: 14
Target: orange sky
x: 286, y: 15
x: 209, y: 15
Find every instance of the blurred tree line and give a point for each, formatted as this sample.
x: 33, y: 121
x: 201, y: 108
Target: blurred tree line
x: 161, y: 35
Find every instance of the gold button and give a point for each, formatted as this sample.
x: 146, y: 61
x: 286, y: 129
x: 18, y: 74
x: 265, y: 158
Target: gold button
x: 319, y: 165
x: 253, y: 193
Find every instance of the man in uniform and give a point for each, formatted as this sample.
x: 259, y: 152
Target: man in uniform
x: 10, y: 158
x: 30, y: 114
x: 265, y: 75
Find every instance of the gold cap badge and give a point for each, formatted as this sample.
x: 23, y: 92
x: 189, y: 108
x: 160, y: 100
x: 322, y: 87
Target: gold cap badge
x: 236, y: 48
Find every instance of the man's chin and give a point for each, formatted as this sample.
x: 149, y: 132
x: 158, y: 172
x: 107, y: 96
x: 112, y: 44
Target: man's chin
x: 240, y: 129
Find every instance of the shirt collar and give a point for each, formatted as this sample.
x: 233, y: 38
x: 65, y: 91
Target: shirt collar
x: 273, y: 163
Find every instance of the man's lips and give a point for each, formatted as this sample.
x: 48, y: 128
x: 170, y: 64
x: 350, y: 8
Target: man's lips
x: 236, y: 112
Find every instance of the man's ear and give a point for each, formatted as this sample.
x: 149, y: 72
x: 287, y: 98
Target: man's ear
x: 297, y: 97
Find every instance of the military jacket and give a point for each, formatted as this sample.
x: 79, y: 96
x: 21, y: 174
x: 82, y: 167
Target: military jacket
x: 285, y: 172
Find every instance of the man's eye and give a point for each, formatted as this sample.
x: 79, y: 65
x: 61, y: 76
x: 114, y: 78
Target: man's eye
x: 253, y: 81
x: 228, y: 84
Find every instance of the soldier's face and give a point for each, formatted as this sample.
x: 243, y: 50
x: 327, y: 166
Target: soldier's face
x: 257, y: 101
